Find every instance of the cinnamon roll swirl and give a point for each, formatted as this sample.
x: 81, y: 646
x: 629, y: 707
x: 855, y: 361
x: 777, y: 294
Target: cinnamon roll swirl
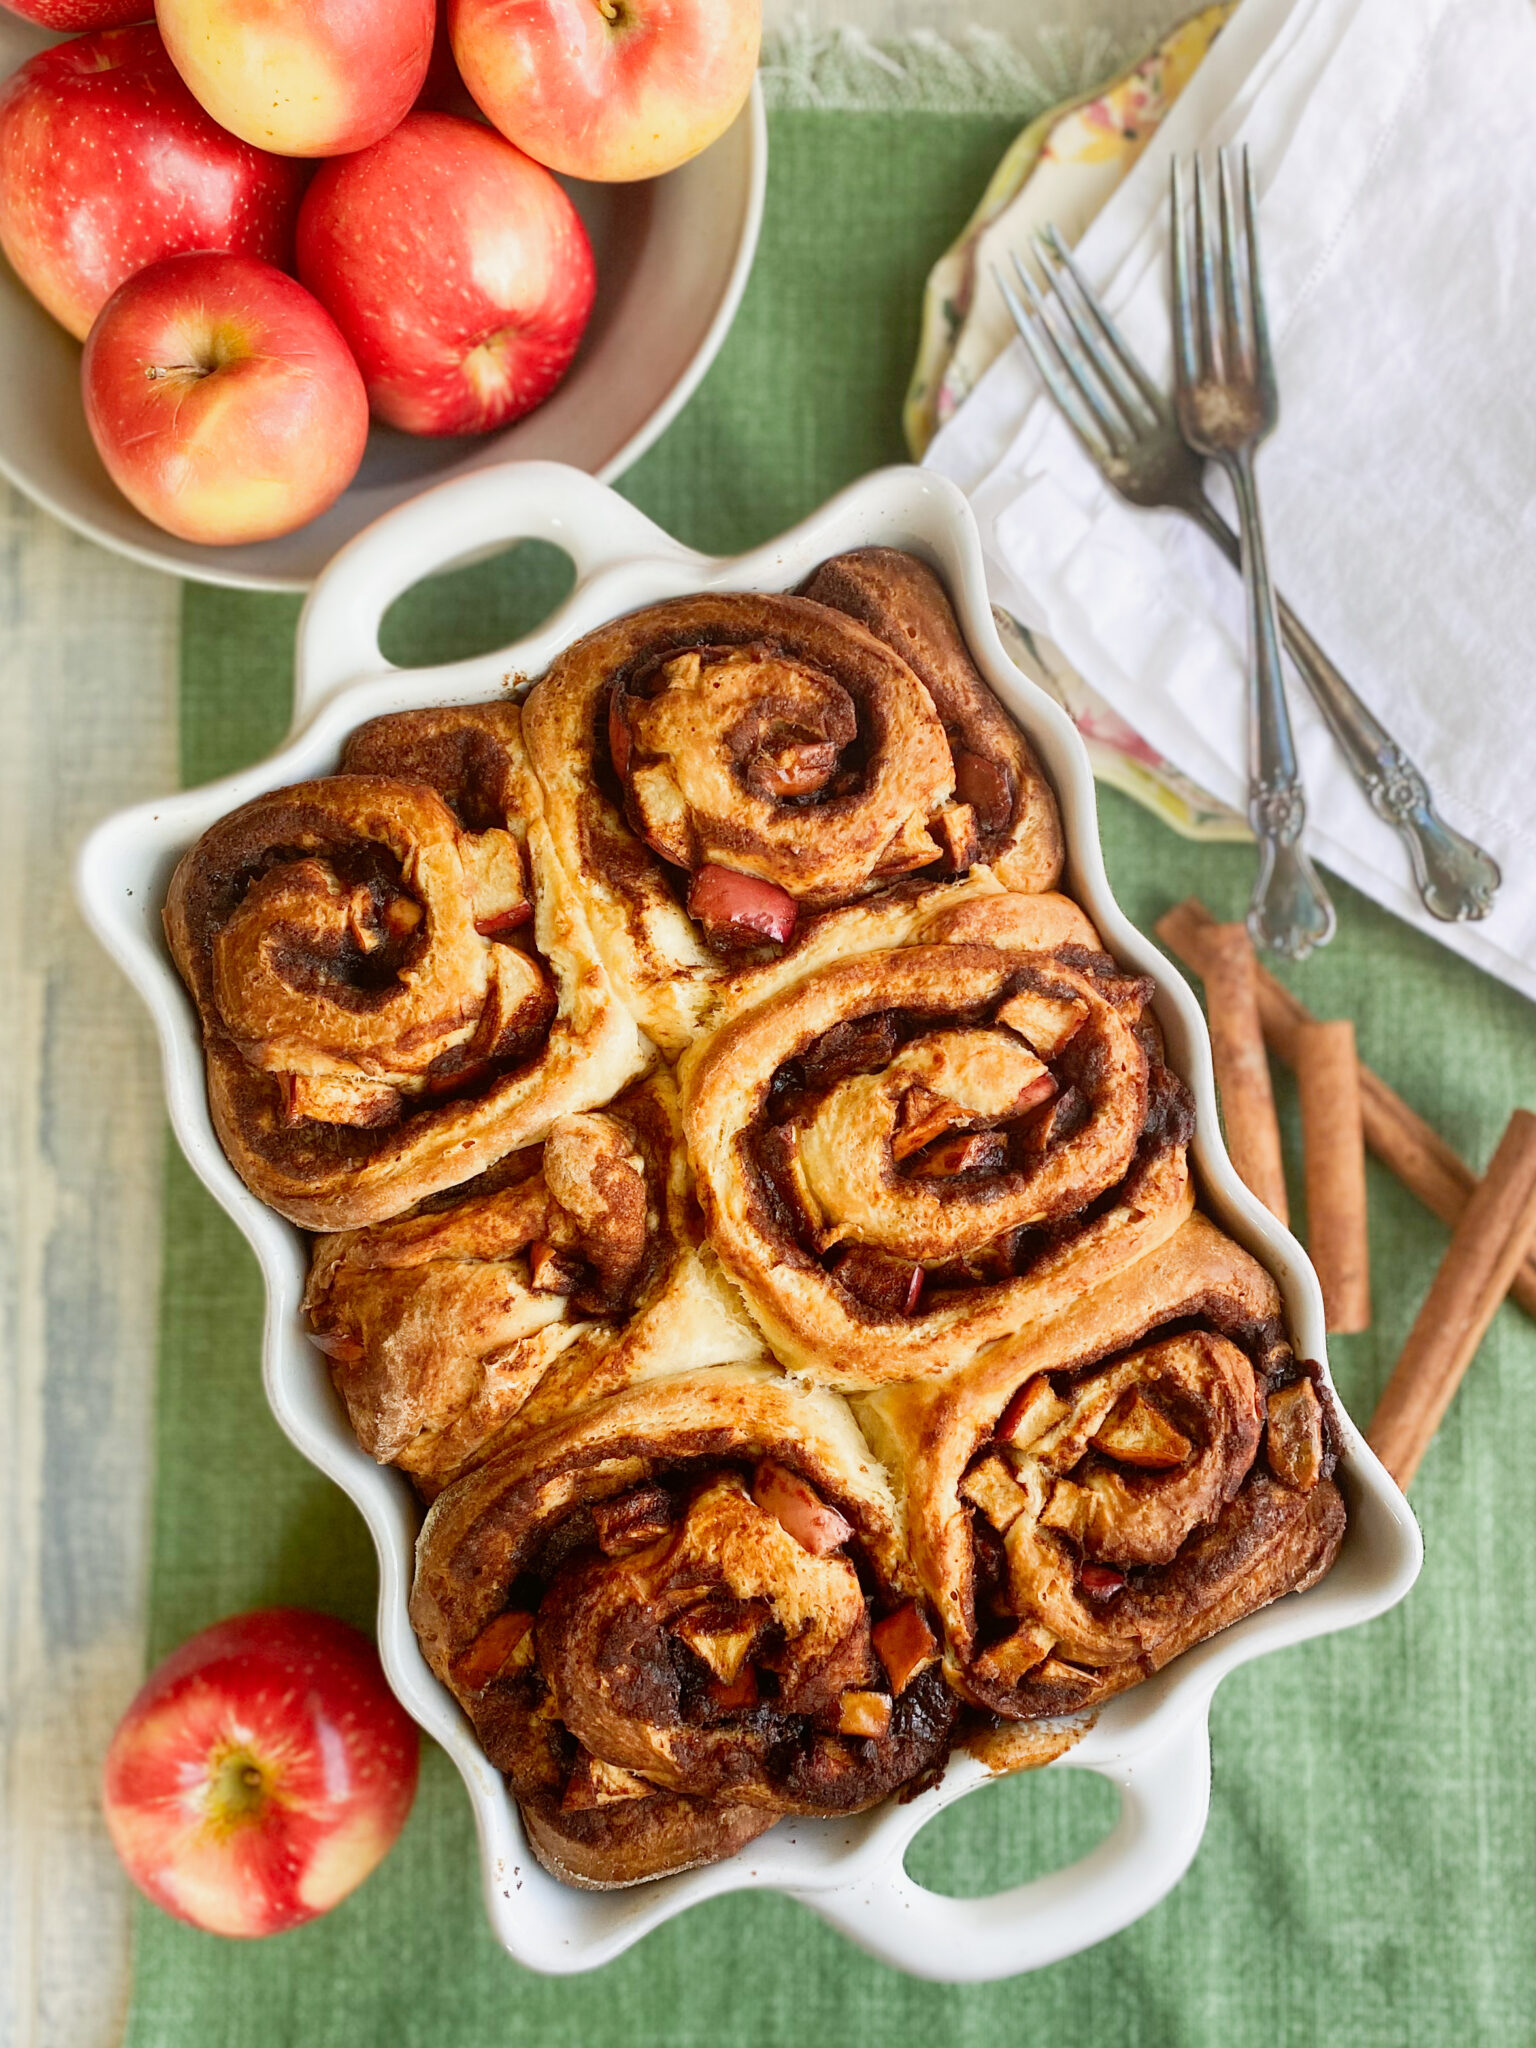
x: 565, y: 1274
x: 680, y: 1616
x: 907, y: 1150
x: 1003, y: 812
x: 1097, y: 1494
x: 396, y: 982
x: 719, y: 767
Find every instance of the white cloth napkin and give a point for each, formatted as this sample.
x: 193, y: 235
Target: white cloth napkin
x: 1395, y: 153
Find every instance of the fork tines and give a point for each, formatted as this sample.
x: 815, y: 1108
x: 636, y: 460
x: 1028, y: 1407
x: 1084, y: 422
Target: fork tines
x: 1220, y: 332
x: 1083, y: 360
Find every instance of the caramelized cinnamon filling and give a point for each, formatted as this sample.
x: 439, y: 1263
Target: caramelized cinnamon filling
x: 685, y: 1637
x: 912, y: 1154
x: 1098, y: 1500
x: 376, y: 959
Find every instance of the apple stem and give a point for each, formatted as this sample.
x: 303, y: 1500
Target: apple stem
x: 610, y: 10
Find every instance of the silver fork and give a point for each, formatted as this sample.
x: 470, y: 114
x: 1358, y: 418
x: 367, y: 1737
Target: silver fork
x: 1128, y: 428
x: 1226, y: 403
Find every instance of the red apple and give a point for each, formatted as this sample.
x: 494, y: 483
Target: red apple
x: 303, y: 77
x: 222, y: 399
x: 108, y: 163
x: 262, y: 1771
x: 609, y: 89
x: 457, y: 269
x: 72, y: 17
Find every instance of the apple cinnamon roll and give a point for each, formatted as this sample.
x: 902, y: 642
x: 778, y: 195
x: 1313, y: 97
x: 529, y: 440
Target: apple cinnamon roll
x: 395, y: 979
x: 1097, y: 1494
x: 908, y: 1150
x: 721, y: 767
x: 563, y: 1275
x: 680, y: 1616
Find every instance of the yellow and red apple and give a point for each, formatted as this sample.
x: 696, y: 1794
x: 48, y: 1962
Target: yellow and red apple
x: 108, y: 163
x: 262, y: 1772
x: 457, y: 269
x: 222, y: 398
x: 608, y: 89
x: 303, y: 77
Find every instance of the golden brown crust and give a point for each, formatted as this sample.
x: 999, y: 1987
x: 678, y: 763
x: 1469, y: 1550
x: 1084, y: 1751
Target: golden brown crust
x: 775, y: 738
x: 903, y: 603
x: 665, y: 1648
x: 575, y: 1270
x: 1091, y: 1496
x: 375, y: 1023
x: 906, y: 1153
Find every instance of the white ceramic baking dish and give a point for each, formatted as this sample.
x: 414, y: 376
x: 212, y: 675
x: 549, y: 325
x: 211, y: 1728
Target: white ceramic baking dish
x: 1152, y: 1742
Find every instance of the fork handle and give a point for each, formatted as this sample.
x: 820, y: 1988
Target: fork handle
x: 1289, y: 911
x: 1455, y: 878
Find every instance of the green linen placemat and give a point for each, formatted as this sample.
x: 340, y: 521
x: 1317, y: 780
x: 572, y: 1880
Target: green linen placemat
x: 1367, y: 1873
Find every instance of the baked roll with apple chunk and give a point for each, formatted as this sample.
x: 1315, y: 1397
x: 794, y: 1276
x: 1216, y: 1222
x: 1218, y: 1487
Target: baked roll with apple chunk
x: 565, y: 1274
x: 395, y: 979
x: 721, y: 767
x: 936, y: 1120
x: 680, y: 1616
x: 1097, y: 1494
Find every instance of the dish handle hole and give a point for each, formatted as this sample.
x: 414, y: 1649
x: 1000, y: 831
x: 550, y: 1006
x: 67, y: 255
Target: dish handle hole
x: 1012, y: 1830
x: 477, y: 607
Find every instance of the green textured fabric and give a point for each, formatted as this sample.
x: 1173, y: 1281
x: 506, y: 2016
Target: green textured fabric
x: 1367, y: 1873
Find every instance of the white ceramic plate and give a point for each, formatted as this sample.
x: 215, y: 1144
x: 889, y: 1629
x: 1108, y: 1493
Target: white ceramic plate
x: 1150, y: 1742
x: 673, y: 256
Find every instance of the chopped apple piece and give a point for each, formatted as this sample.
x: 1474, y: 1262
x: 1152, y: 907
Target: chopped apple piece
x: 1016, y: 1655
x: 1137, y: 1433
x: 965, y: 1152
x: 1101, y: 1581
x: 905, y: 1645
x: 955, y: 830
x: 345, y: 1350
x: 991, y: 1487
x: 550, y: 1270
x: 864, y: 1713
x: 890, y: 1286
x: 799, y: 1509
x: 493, y: 869
x: 1068, y: 1509
x: 1066, y: 1678
x: 1034, y: 1409
x: 506, y: 1644
x: 736, y: 1694
x: 339, y: 1099
x: 723, y: 1641
x: 1296, y: 1436
x: 984, y: 785
x: 741, y: 910
x: 594, y: 1783
x: 797, y: 769
x: 923, y: 1116
x: 1047, y: 1024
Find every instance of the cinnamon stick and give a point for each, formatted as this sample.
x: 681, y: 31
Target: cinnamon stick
x: 1242, y: 1065
x: 1398, y: 1135
x: 1488, y: 1244
x: 1333, y: 1145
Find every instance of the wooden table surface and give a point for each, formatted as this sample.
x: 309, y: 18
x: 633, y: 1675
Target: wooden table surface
x: 88, y: 648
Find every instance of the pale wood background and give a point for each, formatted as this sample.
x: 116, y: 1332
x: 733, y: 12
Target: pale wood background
x: 87, y: 723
